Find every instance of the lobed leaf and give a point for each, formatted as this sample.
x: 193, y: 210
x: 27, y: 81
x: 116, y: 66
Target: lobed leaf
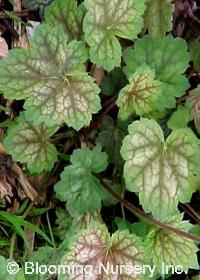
x: 95, y: 247
x: 168, y: 57
x: 158, y: 17
x: 67, y: 14
x: 163, y: 172
x: 140, y: 95
x: 106, y: 19
x: 171, y: 249
x: 78, y: 186
x: 52, y: 76
x: 30, y: 144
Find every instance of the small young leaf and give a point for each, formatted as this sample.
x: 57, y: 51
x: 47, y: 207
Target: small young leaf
x: 78, y: 186
x: 163, y: 172
x: 52, y: 75
x: 168, y: 57
x: 193, y: 104
x: 140, y: 95
x: 30, y: 144
x: 95, y: 247
x: 68, y: 15
x: 170, y: 248
x: 158, y: 17
x: 107, y: 19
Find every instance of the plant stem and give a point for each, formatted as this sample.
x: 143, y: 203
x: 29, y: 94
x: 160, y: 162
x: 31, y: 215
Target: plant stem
x: 149, y: 219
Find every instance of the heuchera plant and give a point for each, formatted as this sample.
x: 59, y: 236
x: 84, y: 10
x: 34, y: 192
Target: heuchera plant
x: 107, y: 78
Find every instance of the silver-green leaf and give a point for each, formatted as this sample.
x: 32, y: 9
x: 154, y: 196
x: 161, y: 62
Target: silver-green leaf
x: 106, y: 20
x: 51, y: 75
x: 162, y: 172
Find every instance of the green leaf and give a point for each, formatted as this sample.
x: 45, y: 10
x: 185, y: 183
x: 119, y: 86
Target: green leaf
x: 18, y: 223
x: 5, y: 275
x: 140, y: 95
x: 158, y: 17
x: 195, y: 230
x: 193, y: 105
x: 4, y: 242
x: 94, y: 247
x: 78, y: 186
x: 108, y: 200
x: 45, y: 256
x: 163, y: 172
x: 106, y: 19
x: 38, y: 212
x: 168, y: 57
x: 75, y: 224
x: 63, y: 221
x: 194, y: 48
x: 171, y: 249
x: 35, y: 4
x: 13, y: 17
x: 110, y: 138
x: 68, y: 15
x: 52, y: 75
x: 140, y: 228
x: 82, y: 221
x: 113, y: 82
x: 179, y: 119
x: 30, y: 144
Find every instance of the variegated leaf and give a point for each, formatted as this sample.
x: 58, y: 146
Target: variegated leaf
x: 141, y: 95
x: 158, y: 17
x: 107, y: 19
x: 163, y: 172
x: 29, y: 143
x: 51, y: 75
x: 171, y: 249
x: 67, y: 14
x: 95, y: 248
